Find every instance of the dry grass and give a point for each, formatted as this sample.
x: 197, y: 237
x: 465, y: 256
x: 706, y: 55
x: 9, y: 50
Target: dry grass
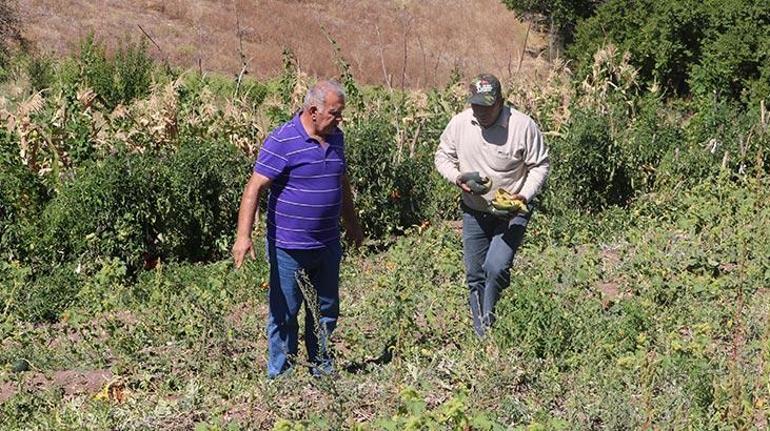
x: 404, y: 42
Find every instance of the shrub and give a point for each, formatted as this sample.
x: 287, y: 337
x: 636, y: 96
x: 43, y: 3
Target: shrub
x: 40, y: 70
x: 395, y: 189
x: 590, y: 173
x: 646, y: 140
x: 37, y: 295
x: 699, y: 47
x: 22, y: 197
x: 179, y: 206
x: 117, y: 79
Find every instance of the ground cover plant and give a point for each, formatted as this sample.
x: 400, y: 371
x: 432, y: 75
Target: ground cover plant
x: 638, y: 300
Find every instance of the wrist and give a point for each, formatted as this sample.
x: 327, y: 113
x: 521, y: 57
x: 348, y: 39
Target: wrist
x: 242, y: 237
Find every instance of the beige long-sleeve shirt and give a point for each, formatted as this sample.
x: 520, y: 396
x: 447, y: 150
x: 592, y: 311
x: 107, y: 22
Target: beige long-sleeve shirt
x: 511, y: 153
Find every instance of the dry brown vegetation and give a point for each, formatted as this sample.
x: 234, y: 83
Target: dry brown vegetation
x: 402, y: 42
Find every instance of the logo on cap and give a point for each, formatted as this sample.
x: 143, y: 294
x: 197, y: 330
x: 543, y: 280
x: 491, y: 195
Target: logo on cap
x: 483, y: 87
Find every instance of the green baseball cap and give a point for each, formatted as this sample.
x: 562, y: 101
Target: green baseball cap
x: 485, y: 90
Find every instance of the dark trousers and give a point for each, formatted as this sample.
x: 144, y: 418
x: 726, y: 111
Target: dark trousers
x: 489, y: 246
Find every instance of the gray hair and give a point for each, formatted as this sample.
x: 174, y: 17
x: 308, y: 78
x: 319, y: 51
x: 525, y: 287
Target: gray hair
x: 316, y: 95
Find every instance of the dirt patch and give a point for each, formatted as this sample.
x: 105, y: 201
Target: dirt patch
x: 70, y: 382
x: 610, y: 258
x: 240, y: 313
x: 7, y: 390
x: 610, y: 293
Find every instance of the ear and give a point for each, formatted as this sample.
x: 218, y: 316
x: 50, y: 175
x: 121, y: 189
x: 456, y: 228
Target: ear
x: 313, y: 109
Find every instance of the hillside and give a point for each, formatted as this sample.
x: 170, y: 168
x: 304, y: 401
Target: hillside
x: 414, y: 44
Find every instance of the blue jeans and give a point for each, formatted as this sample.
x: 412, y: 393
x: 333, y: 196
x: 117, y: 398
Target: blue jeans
x: 489, y: 245
x: 322, y: 268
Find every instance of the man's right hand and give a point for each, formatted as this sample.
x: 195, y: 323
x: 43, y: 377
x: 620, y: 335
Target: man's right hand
x: 241, y: 248
x: 472, y: 182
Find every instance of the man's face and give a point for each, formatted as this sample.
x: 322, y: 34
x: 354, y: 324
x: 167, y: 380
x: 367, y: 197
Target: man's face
x: 328, y: 118
x: 487, y: 115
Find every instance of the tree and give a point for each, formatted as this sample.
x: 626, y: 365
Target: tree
x: 561, y: 16
x: 689, y: 47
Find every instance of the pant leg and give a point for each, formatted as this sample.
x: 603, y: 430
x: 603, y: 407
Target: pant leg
x: 285, y: 299
x: 325, y: 277
x: 497, y: 264
x: 476, y: 241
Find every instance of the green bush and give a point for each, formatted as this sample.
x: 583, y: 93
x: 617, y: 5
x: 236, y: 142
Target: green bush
x: 735, y: 55
x: 646, y: 141
x: 721, y: 136
x: 251, y: 91
x: 41, y: 73
x: 22, y: 197
x: 139, y: 207
x: 705, y: 48
x: 590, y: 173
x: 117, y: 79
x: 39, y: 294
x: 395, y: 190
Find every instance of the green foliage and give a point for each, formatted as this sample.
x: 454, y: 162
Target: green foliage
x: 142, y: 207
x: 40, y: 70
x: 646, y: 141
x: 688, y: 47
x: 22, y: 197
x: 565, y: 14
x: 591, y: 174
x: 251, y: 93
x: 38, y: 297
x: 120, y: 78
x: 395, y: 190
x: 735, y: 52
x: 454, y: 414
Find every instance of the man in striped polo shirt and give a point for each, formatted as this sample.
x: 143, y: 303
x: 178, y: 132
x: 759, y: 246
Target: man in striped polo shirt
x: 302, y: 164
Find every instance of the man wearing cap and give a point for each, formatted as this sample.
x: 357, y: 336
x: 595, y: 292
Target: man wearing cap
x: 302, y: 164
x: 493, y: 142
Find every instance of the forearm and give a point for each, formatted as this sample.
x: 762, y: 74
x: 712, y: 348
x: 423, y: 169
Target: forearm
x: 348, y: 210
x: 246, y: 215
x: 248, y: 208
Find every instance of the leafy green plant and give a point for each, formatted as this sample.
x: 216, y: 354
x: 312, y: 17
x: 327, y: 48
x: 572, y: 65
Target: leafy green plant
x: 22, y: 197
x: 687, y: 47
x: 117, y: 79
x: 143, y: 207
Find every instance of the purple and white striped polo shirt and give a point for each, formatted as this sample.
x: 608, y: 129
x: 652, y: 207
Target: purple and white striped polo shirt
x: 303, y: 208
